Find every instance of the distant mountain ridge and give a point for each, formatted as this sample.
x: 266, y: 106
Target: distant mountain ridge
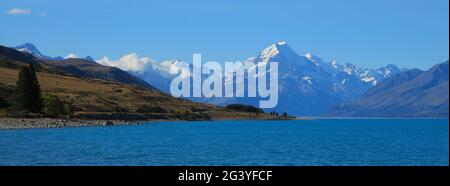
x: 412, y: 93
x: 33, y: 50
x: 14, y: 58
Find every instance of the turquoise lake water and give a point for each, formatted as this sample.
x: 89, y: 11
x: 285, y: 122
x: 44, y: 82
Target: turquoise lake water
x: 291, y: 143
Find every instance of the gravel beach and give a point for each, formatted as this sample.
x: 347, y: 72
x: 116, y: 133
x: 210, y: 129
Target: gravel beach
x: 21, y: 123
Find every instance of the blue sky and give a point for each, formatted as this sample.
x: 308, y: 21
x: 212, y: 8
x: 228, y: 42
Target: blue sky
x: 370, y: 33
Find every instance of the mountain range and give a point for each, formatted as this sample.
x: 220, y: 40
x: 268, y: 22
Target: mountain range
x: 308, y: 85
x: 412, y: 93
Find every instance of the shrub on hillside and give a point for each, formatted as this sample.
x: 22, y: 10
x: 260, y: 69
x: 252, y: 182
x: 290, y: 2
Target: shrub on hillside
x: 244, y: 108
x: 53, y: 106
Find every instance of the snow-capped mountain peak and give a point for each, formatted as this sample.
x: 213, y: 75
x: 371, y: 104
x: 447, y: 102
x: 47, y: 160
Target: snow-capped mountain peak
x: 275, y: 49
x: 281, y: 52
x: 33, y: 50
x: 269, y: 52
x: 30, y: 48
x: 281, y: 43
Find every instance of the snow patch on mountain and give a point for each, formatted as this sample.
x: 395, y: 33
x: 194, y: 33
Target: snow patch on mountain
x: 71, y: 56
x: 307, y: 79
x: 334, y: 64
x: 31, y: 49
x: 348, y: 70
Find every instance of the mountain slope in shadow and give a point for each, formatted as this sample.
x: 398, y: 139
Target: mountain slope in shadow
x: 412, y: 93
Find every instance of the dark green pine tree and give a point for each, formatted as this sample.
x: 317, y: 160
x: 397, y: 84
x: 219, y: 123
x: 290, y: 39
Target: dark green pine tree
x: 28, y: 90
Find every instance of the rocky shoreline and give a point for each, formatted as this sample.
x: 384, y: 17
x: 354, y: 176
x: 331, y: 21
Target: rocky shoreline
x: 43, y: 122
x: 23, y: 123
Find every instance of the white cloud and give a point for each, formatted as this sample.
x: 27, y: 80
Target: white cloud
x: 146, y: 66
x: 129, y: 62
x: 18, y: 11
x: 71, y: 56
x: 43, y: 14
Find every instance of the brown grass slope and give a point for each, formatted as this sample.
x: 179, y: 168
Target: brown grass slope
x: 89, y: 69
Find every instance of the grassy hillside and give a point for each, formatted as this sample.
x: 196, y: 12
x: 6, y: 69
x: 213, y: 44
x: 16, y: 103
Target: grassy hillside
x: 89, y: 69
x: 98, y: 99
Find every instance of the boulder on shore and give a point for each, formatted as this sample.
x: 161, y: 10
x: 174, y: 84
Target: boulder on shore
x: 108, y: 123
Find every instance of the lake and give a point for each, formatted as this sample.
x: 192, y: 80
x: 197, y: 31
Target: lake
x: 292, y: 143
